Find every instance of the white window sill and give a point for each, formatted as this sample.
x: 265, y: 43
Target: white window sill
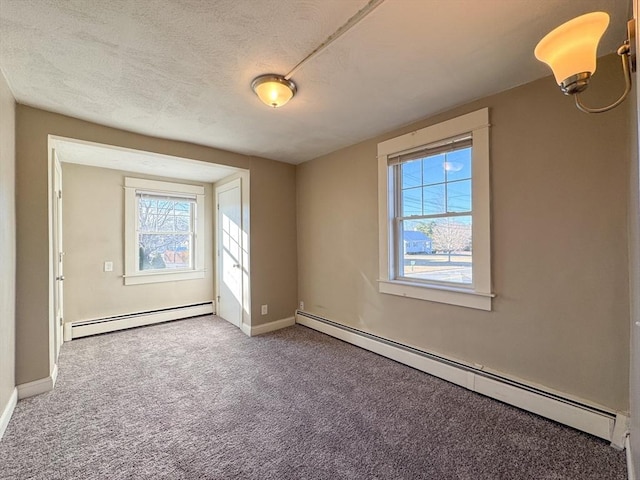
x: 437, y: 293
x: 157, y: 277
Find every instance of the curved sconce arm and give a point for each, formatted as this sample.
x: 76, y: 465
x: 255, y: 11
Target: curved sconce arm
x: 625, y: 55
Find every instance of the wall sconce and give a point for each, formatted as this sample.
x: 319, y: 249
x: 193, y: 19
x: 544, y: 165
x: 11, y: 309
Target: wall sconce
x: 570, y: 50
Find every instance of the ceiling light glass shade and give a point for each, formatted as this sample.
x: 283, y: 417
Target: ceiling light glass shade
x: 274, y: 90
x: 570, y: 50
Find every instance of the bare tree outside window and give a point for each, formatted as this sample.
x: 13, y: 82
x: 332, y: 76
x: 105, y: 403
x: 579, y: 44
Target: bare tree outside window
x: 449, y: 236
x: 165, y: 232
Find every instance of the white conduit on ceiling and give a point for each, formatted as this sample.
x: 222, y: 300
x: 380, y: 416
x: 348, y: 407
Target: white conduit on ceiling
x: 366, y: 10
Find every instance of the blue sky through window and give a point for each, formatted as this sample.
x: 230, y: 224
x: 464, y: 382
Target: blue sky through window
x: 438, y: 184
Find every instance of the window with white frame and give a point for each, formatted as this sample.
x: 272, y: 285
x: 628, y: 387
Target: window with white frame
x: 164, y: 238
x: 434, y: 213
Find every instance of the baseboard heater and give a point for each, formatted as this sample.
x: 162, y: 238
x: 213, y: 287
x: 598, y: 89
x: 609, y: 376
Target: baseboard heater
x: 120, y: 322
x: 609, y: 425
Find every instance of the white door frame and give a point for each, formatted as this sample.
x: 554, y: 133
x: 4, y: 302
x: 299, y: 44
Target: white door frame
x: 243, y: 177
x: 54, y: 335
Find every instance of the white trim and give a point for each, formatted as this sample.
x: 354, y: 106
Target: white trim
x: 51, y: 322
x: 246, y: 329
x: 620, y: 431
x: 424, y: 136
x: 452, y: 296
x: 567, y: 412
x: 158, y: 277
x: 159, y: 186
x: 631, y: 472
x: 8, y: 411
x: 37, y: 387
x: 268, y: 327
x: 480, y: 293
x: 67, y: 332
x: 96, y: 326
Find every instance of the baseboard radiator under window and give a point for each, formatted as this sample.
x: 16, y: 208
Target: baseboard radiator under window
x: 603, y: 423
x: 121, y: 322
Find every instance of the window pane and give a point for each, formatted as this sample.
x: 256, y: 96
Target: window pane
x: 433, y: 199
x: 159, y: 251
x: 183, y: 208
x: 412, y: 202
x: 165, y: 223
x: 412, y: 174
x: 433, y: 169
x: 459, y: 196
x: 146, y: 221
x: 183, y: 224
x: 165, y: 236
x: 437, y: 250
x: 458, y: 165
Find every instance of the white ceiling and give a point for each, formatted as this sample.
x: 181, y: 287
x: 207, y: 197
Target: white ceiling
x: 181, y: 69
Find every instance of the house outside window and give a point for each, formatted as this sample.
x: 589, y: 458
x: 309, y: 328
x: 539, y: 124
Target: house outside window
x: 434, y: 190
x: 164, y: 231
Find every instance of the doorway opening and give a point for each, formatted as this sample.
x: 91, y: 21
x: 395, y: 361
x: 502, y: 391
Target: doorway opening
x: 67, y: 154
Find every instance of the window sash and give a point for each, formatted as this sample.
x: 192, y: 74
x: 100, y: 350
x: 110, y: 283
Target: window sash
x: 395, y: 170
x: 398, y: 268
x: 191, y: 233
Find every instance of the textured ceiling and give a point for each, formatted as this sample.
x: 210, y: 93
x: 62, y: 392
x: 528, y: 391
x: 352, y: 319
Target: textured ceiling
x: 181, y: 69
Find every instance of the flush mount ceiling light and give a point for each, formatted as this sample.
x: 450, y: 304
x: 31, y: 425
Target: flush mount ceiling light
x: 276, y: 90
x: 570, y: 50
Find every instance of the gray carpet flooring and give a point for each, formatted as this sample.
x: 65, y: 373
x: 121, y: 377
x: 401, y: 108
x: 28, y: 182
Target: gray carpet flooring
x: 196, y: 399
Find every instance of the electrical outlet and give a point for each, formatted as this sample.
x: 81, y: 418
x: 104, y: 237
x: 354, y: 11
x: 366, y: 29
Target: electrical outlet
x: 108, y: 266
x: 265, y: 309
x: 301, y: 306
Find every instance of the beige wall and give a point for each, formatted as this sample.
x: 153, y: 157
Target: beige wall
x: 559, y: 246
x: 93, y: 232
x: 273, y: 275
x: 7, y: 242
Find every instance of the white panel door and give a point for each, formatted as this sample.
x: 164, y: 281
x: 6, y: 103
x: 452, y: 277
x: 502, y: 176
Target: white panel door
x: 59, y: 254
x: 230, y: 252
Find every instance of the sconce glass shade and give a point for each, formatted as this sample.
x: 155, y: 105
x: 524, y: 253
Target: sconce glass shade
x: 274, y: 90
x: 570, y: 50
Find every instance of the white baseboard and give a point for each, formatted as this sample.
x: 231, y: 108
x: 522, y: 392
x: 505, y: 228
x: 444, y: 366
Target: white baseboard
x: 67, y: 336
x: 104, y: 325
x: 631, y: 471
x: 7, y: 411
x: 550, y: 405
x: 268, y: 327
x: 37, y: 387
x: 620, y: 431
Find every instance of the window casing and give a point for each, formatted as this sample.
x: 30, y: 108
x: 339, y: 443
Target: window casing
x: 164, y: 231
x: 434, y: 213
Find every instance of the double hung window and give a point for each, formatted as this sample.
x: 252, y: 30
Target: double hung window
x: 165, y: 231
x: 434, y: 213
x: 164, y: 238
